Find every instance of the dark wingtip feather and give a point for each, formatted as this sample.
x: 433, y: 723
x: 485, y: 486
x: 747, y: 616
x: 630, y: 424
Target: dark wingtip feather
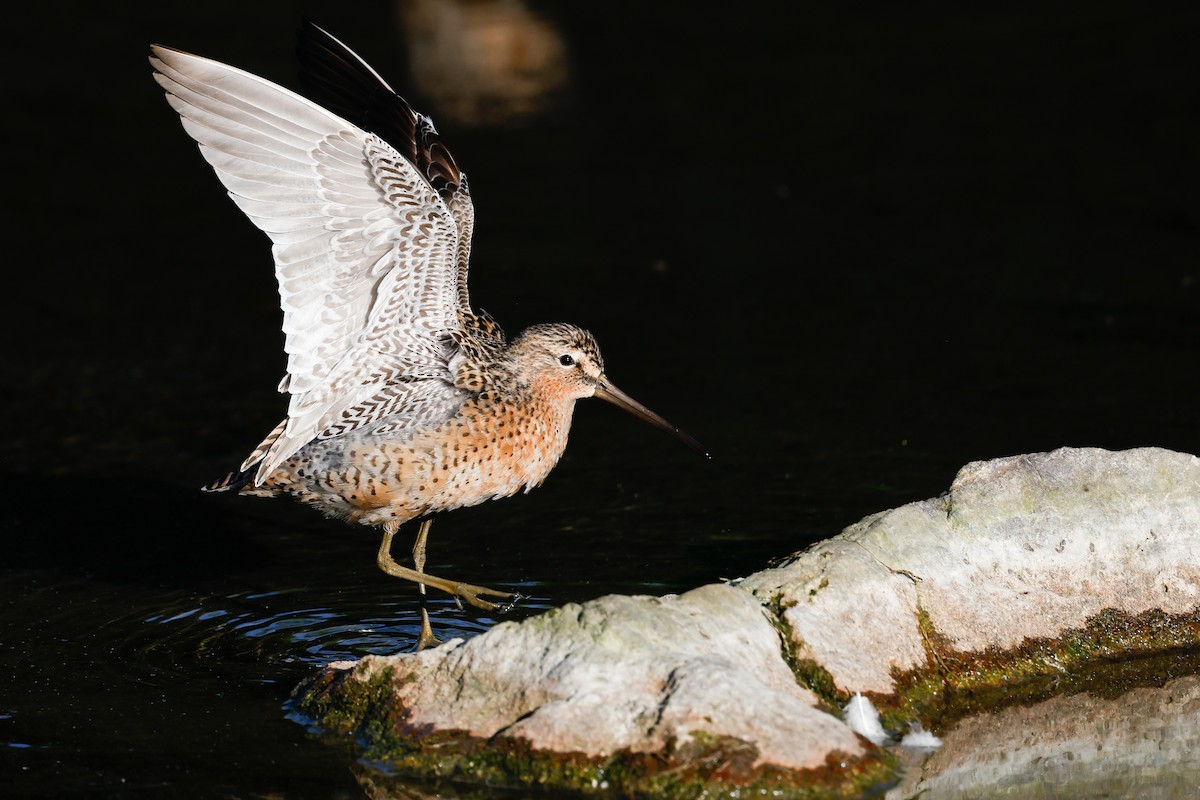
x: 335, y: 77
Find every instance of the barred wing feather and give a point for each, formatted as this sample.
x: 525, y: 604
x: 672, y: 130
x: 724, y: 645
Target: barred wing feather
x: 338, y: 79
x: 366, y: 251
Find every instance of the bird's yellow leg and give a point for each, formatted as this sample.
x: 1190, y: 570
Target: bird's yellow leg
x: 425, y: 638
x: 419, y: 547
x: 466, y: 591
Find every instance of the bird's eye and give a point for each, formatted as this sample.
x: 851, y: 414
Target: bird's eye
x: 566, y: 360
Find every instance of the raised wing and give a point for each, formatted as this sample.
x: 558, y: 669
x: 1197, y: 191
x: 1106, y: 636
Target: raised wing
x: 366, y: 251
x: 338, y: 79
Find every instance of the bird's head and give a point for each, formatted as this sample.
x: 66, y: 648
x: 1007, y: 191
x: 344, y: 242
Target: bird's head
x: 563, y: 362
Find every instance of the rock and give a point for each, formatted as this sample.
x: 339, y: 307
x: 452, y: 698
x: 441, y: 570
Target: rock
x: 1020, y: 549
x: 694, y: 681
x: 1028, y: 565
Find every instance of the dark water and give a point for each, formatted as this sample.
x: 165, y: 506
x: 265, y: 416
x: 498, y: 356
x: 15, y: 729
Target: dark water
x: 848, y: 251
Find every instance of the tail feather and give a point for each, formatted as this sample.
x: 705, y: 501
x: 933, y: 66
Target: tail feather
x: 246, y: 472
x: 231, y: 482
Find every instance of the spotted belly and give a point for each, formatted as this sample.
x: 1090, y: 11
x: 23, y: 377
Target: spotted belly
x: 374, y: 479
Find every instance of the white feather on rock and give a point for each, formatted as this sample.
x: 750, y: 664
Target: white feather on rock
x: 863, y: 719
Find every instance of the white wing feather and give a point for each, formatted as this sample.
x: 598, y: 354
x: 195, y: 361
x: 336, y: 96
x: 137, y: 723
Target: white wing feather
x: 366, y: 252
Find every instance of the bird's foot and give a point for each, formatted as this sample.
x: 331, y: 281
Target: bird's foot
x: 471, y: 593
x: 466, y: 591
x: 426, y: 638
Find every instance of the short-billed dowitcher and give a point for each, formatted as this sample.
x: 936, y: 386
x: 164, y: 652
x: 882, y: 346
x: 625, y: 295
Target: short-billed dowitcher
x: 404, y: 401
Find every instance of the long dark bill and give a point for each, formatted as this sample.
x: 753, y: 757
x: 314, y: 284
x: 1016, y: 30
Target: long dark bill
x: 606, y: 391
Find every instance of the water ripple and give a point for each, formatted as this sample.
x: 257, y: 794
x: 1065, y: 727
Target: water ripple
x: 272, y: 636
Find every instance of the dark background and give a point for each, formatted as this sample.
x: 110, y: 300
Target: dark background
x: 848, y: 250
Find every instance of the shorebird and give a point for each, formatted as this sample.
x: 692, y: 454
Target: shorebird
x: 404, y: 400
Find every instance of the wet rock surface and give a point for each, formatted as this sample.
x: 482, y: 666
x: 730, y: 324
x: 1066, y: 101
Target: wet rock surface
x: 1028, y: 565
